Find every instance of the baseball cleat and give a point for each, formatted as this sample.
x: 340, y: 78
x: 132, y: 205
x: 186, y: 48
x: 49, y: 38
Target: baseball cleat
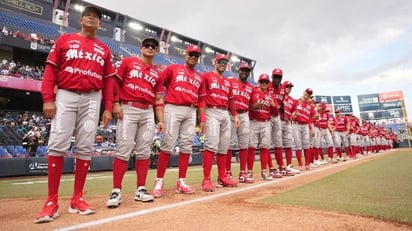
x: 142, y: 195
x: 115, y: 199
x: 48, y: 213
x: 80, y: 206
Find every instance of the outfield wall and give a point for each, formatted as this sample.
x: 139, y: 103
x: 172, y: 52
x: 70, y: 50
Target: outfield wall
x: 31, y: 166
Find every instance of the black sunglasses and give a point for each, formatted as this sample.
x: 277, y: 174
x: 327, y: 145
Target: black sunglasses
x: 222, y: 62
x: 244, y: 70
x: 149, y: 45
x: 264, y: 81
x: 194, y: 54
x: 276, y: 76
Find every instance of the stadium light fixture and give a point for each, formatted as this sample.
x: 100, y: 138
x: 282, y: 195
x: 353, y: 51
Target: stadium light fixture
x: 234, y: 59
x: 79, y: 8
x: 176, y: 39
x: 135, y: 26
x: 209, y: 50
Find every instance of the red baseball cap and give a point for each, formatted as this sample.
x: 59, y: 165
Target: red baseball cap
x: 193, y: 48
x: 288, y: 83
x: 221, y: 56
x: 309, y: 90
x: 277, y: 71
x: 244, y: 66
x: 337, y: 111
x: 151, y: 40
x: 93, y: 9
x: 263, y: 77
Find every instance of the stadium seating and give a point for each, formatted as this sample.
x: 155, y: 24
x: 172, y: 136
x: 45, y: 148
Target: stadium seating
x: 41, y: 151
x: 29, y: 25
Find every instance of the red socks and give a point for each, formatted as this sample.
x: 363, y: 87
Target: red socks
x: 142, y: 167
x: 55, y: 169
x: 162, y: 163
x: 119, y: 169
x: 82, y: 168
x: 183, y: 164
x: 207, y: 163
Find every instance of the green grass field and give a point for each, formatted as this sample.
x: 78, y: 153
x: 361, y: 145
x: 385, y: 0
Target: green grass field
x: 380, y: 188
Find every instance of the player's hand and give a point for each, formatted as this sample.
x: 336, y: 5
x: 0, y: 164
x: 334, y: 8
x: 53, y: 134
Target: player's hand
x: 202, y: 128
x: 117, y: 111
x: 106, y: 118
x: 237, y: 121
x: 160, y: 127
x: 49, y: 109
x: 312, y: 132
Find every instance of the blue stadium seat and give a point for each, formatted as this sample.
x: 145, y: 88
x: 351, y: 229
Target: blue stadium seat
x: 28, y: 25
x: 41, y: 151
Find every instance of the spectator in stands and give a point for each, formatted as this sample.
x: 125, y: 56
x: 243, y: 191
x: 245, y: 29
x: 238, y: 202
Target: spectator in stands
x: 74, y: 108
x: 32, y: 146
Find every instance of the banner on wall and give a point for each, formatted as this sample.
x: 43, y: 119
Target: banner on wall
x: 342, y: 103
x: 368, y: 102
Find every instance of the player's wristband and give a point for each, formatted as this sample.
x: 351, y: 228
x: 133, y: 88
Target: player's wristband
x: 159, y: 106
x: 202, y: 118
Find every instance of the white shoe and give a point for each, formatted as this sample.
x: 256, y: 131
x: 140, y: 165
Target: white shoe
x: 266, y: 176
x: 115, y: 199
x: 142, y: 195
x: 295, y: 171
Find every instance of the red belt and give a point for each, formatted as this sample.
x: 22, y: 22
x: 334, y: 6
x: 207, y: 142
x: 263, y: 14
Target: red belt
x: 79, y: 92
x: 136, y: 104
x: 261, y: 120
x: 241, y: 111
x: 298, y: 122
x: 217, y: 107
x: 184, y: 105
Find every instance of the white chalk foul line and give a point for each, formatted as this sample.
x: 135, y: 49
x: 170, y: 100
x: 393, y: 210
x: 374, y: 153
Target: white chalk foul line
x: 201, y: 199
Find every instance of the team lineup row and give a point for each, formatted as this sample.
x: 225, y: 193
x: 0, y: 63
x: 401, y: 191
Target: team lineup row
x: 136, y: 94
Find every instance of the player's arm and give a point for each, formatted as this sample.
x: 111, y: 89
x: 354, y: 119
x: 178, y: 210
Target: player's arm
x: 47, y: 89
x: 159, y: 111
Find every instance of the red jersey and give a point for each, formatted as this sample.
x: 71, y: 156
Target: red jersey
x: 182, y: 85
x: 322, y: 121
x: 217, y: 90
x: 82, y: 64
x: 364, y: 129
x: 332, y: 121
x: 341, y: 123
x: 140, y: 82
x: 288, y: 103
x: 277, y: 94
x: 353, y: 126
x: 242, y: 93
x: 263, y: 114
x: 304, y: 112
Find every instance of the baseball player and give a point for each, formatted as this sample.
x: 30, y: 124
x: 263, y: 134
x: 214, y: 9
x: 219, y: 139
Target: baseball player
x: 316, y: 148
x: 324, y: 127
x: 260, y: 117
x: 341, y: 134
x: 242, y: 91
x: 140, y: 89
x: 302, y: 115
x: 365, y: 141
x: 353, y: 135
x: 277, y: 91
x: 287, y: 135
x: 79, y: 65
x: 182, y: 83
x: 217, y: 100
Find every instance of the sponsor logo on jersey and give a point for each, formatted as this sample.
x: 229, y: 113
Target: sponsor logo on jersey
x: 83, y: 72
